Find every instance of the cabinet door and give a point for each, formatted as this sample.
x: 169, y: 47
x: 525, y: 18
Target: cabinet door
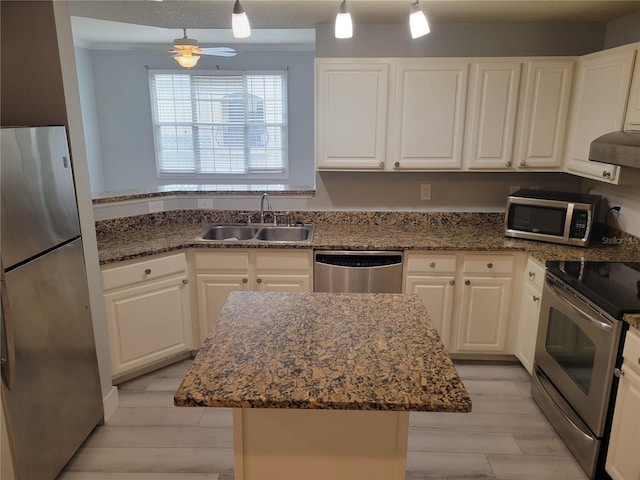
x: 528, y: 326
x: 598, y: 107
x: 491, y: 114
x: 545, y: 105
x: 283, y: 283
x: 632, y: 119
x: 212, y: 291
x: 429, y: 114
x: 484, y: 315
x: 148, y: 323
x: 351, y: 115
x: 437, y: 294
x: 623, y: 455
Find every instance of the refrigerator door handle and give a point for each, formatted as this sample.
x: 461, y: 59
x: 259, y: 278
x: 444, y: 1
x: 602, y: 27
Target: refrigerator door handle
x: 8, y: 360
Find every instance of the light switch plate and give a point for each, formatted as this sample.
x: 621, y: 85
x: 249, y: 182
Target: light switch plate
x: 156, y: 206
x: 205, y: 203
x: 425, y: 191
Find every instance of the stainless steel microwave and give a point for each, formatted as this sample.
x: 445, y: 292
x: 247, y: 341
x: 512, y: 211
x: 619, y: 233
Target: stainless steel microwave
x: 557, y: 217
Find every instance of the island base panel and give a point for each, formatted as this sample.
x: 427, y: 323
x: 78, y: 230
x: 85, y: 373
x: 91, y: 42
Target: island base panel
x: 290, y: 444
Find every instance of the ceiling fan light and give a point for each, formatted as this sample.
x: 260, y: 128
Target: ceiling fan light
x: 418, y: 23
x: 344, y: 26
x: 187, y: 61
x: 240, y: 22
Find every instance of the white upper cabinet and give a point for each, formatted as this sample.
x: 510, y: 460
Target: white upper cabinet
x: 598, y: 107
x: 546, y: 91
x: 632, y: 120
x: 429, y: 107
x: 351, y: 115
x: 491, y: 114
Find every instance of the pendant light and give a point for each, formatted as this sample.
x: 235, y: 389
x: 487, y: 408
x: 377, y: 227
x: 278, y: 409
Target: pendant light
x: 344, y: 27
x: 240, y: 22
x: 187, y: 61
x: 418, y: 21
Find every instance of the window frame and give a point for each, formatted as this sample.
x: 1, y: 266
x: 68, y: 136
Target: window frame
x: 249, y: 175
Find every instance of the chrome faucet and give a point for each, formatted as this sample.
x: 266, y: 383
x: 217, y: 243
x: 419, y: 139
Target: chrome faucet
x: 264, y: 197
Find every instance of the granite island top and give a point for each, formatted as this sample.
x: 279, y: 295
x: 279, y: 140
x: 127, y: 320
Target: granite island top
x: 324, y: 351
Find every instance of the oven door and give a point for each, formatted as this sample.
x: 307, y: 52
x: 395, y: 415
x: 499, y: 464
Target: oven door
x: 577, y: 349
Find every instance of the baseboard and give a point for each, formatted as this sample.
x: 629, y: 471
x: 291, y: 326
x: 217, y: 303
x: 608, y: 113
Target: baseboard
x: 110, y: 403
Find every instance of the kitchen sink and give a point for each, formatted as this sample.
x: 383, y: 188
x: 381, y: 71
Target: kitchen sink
x: 257, y: 233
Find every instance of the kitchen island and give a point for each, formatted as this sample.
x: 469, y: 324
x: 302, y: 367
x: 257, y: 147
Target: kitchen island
x: 322, y: 384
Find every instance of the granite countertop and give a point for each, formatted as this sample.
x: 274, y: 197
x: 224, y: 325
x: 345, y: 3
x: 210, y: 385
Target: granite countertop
x: 324, y: 351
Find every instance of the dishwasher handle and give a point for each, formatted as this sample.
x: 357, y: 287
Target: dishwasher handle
x: 359, y: 259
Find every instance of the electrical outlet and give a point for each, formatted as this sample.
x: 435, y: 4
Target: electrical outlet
x: 513, y: 188
x: 425, y: 191
x: 156, y: 206
x: 205, y: 203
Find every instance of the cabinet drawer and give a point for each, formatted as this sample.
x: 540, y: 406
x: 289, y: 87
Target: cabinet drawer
x: 487, y: 264
x: 534, y: 273
x: 223, y: 261
x: 122, y: 275
x: 283, y: 261
x: 430, y: 263
x: 631, y: 352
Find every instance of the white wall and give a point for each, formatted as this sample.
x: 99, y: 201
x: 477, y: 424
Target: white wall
x: 121, y: 92
x: 623, y: 30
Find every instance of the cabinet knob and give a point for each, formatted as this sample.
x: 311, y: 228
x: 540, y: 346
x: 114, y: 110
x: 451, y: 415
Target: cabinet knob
x: 618, y: 372
x: 606, y: 174
x: 147, y: 271
x: 452, y: 282
x: 259, y: 280
x: 244, y: 280
x: 536, y: 298
x: 397, y: 164
x: 507, y: 164
x: 432, y: 264
x: 523, y: 163
x: 489, y: 265
x: 185, y: 281
x: 467, y: 282
x: 532, y: 274
x: 381, y: 164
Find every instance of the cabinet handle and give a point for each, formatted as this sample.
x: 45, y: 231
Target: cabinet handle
x: 452, y: 282
x: 606, y: 174
x: 259, y: 280
x: 432, y: 264
x: 618, y: 372
x: 244, y: 280
x: 523, y: 163
x: 397, y: 164
x: 536, y: 298
x: 532, y: 274
x: 467, y: 282
x: 381, y: 164
x: 507, y: 164
x: 185, y: 281
x: 489, y: 265
x: 147, y: 271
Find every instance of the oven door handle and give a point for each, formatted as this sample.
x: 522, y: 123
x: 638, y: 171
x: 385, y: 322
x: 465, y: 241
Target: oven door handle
x: 579, y: 307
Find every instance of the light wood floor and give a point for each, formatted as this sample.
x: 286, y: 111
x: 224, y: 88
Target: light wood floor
x: 505, y: 437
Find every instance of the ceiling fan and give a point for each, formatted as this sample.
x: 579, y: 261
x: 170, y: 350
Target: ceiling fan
x: 187, y: 52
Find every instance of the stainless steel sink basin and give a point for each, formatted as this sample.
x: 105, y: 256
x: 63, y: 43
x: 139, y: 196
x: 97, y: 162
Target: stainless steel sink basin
x: 229, y: 232
x: 257, y: 233
x: 296, y: 233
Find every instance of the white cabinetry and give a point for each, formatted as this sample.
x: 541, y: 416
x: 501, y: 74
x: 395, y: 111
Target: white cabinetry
x: 623, y: 455
x: 468, y: 297
x: 491, y: 114
x: 598, y: 107
x: 485, y: 301
x: 148, y: 312
x: 222, y: 271
x: 351, y: 115
x: 529, y: 313
x: 544, y: 105
x: 433, y: 278
x: 632, y: 119
x: 429, y: 109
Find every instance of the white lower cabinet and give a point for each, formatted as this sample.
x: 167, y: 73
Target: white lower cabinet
x: 222, y: 271
x: 468, y: 297
x: 529, y: 313
x: 623, y: 455
x: 148, y: 312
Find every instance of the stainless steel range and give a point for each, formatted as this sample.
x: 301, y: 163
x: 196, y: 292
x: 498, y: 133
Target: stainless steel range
x: 578, y: 350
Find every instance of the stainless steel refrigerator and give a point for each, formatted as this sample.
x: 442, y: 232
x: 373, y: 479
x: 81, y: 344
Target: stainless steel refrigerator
x: 50, y: 384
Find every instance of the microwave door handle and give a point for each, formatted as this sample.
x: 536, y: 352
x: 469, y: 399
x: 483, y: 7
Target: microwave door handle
x: 567, y: 223
x: 602, y: 325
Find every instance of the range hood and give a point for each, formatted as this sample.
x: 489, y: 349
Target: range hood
x: 617, y: 148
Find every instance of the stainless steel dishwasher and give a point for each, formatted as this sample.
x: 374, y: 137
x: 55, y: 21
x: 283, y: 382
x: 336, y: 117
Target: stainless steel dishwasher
x: 354, y: 271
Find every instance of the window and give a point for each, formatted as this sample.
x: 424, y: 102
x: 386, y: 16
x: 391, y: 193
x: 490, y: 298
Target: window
x: 214, y: 124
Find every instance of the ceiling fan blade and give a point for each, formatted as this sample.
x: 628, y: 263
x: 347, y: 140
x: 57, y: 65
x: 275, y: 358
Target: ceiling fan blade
x: 219, y: 51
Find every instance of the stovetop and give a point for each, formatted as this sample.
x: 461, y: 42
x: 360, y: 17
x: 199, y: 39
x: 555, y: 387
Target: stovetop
x: 612, y: 286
